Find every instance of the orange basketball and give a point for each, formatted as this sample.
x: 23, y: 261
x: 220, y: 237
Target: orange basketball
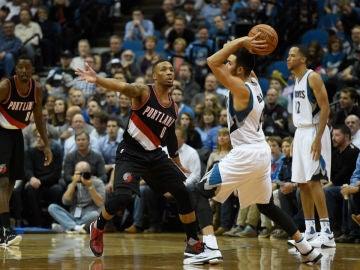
x: 269, y: 34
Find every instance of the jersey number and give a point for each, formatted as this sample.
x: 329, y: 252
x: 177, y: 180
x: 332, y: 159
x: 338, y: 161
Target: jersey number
x: 28, y: 116
x: 297, y: 106
x: 163, y: 132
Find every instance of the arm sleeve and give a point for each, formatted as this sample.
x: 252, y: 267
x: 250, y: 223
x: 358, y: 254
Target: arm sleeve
x: 172, y: 144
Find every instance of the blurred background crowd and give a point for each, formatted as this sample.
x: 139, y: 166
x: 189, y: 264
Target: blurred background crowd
x: 122, y: 39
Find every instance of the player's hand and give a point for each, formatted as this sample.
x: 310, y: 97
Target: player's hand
x: 253, y: 44
x: 316, y: 149
x: 48, y: 156
x: 89, y: 75
x: 109, y: 188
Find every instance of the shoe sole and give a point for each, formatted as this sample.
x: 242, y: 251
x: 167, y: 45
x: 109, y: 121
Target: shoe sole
x: 213, y: 261
x: 93, y: 251
x: 314, y: 261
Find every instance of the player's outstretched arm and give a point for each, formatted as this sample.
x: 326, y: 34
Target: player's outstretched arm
x: 130, y: 90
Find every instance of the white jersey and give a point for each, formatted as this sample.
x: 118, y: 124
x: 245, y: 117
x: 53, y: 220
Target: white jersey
x: 305, y: 108
x: 245, y: 127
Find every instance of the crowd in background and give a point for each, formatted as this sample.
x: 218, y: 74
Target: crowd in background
x: 85, y: 122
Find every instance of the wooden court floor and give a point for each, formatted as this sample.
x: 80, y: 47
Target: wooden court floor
x: 163, y: 251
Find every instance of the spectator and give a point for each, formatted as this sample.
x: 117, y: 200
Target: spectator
x: 170, y: 20
x: 210, y: 10
x: 99, y: 122
x: 349, y: 15
x: 353, y: 122
x: 275, y: 117
x: 353, y: 191
x: 186, y: 121
x: 62, y: 12
x: 108, y: 144
x: 4, y: 12
x: 151, y: 56
x: 194, y: 19
x: 348, y: 105
x: 129, y: 66
x: 160, y: 17
x: 61, y: 78
x: 207, y: 121
x: 178, y: 56
x: 212, y: 138
x: 179, y: 30
x: 115, y: 46
x: 51, y: 37
x: 77, y: 125
x: 197, y: 52
x: 278, y: 82
x: 42, y: 186
x: 178, y: 97
x: 84, y: 196
x: 84, y: 152
x: 210, y: 87
x: 9, y: 48
x: 343, y: 162
x: 220, y: 32
x: 190, y: 86
x: 84, y: 49
x: 30, y: 34
x: 92, y: 108
x: 60, y: 109
x: 138, y: 28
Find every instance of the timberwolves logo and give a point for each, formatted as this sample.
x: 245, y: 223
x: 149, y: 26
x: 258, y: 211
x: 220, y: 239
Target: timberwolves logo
x: 3, y: 168
x: 321, y: 172
x: 127, y: 177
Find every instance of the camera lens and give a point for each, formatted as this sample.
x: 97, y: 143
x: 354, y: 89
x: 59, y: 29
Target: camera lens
x: 86, y: 175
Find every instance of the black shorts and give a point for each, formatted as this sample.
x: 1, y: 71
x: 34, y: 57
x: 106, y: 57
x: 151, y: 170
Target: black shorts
x: 12, y: 154
x: 155, y: 167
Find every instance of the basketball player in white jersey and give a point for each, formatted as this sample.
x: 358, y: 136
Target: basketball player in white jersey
x: 246, y: 168
x: 311, y: 146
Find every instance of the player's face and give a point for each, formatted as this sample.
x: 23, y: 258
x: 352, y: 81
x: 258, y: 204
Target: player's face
x: 24, y: 70
x: 230, y: 64
x: 164, y: 74
x: 294, y: 59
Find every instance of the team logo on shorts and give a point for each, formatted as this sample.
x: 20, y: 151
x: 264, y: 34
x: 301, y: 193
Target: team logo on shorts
x: 3, y: 168
x: 127, y: 177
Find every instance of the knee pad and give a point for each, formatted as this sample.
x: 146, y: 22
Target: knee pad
x: 117, y: 200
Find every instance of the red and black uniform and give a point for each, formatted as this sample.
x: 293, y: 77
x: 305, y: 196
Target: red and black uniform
x: 140, y: 156
x: 15, y: 114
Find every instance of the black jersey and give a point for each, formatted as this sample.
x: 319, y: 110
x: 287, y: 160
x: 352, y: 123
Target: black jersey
x: 150, y: 124
x: 16, y: 109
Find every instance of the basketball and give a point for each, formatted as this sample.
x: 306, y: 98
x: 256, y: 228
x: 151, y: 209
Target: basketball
x: 269, y: 34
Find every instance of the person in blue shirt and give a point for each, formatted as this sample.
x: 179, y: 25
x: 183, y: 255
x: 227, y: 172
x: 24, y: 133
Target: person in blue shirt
x: 9, y: 48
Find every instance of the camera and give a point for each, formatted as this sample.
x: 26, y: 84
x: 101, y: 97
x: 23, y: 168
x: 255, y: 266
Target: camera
x: 86, y: 175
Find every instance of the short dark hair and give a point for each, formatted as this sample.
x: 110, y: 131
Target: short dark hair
x: 245, y: 59
x: 80, y: 132
x: 303, y: 49
x: 158, y: 62
x: 344, y: 129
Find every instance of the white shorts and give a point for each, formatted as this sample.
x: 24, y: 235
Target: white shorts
x: 304, y: 168
x: 245, y: 169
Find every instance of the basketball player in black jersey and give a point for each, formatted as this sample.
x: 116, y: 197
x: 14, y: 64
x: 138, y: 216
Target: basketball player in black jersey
x: 151, y: 125
x: 20, y: 99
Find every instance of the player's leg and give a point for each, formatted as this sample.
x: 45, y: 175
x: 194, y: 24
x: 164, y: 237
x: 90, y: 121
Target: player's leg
x: 308, y: 254
x: 125, y: 184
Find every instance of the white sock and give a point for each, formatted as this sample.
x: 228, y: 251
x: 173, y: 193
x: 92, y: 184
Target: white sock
x: 325, y: 225
x: 303, y: 246
x: 210, y: 241
x: 310, y: 225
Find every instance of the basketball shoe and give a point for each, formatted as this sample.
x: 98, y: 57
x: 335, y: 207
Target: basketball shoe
x: 96, y: 240
x: 210, y: 256
x: 323, y: 240
x: 192, y: 250
x: 311, y: 257
x: 9, y: 238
